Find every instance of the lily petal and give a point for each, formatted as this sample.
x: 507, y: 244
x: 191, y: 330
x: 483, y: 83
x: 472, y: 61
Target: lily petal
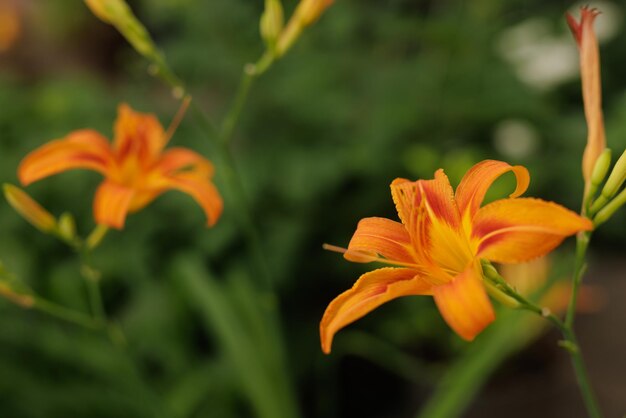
x: 138, y: 133
x: 176, y: 160
x: 202, y: 190
x: 406, y: 197
x: 464, y: 303
x: 445, y: 244
x: 475, y: 183
x: 591, y: 86
x: 112, y: 203
x: 84, y: 149
x: 439, y: 198
x: 518, y: 230
x: 369, y: 292
x: 380, y: 237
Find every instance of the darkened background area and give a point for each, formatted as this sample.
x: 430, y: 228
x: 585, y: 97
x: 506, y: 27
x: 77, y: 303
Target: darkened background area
x: 377, y: 89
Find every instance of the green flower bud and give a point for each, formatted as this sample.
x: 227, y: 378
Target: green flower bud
x: 609, y: 210
x: 601, y: 168
x: 29, y: 209
x: 67, y: 227
x: 500, y: 296
x: 616, y: 178
x: 272, y: 22
x: 119, y: 14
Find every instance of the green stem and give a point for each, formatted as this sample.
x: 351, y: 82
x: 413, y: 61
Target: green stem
x: 221, y: 140
x: 92, y: 281
x: 248, y: 76
x: 234, y: 183
x: 66, y: 314
x: 582, y: 243
x: 566, y: 327
x: 228, y: 127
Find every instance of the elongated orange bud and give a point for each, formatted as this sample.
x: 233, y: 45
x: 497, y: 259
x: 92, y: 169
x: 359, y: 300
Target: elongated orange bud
x: 306, y: 13
x: 591, y: 86
x: 119, y: 14
x: 10, y: 25
x: 107, y: 10
x: 30, y: 210
x: 309, y: 11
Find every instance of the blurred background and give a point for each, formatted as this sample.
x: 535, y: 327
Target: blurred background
x: 375, y: 90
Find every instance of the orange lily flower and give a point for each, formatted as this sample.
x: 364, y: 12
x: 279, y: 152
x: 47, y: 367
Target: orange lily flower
x: 437, y: 248
x: 135, y: 167
x: 591, y: 86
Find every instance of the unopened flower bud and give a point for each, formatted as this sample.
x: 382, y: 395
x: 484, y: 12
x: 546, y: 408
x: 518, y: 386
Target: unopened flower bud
x: 616, y: 178
x: 272, y: 22
x: 10, y: 25
x: 306, y: 13
x: 29, y: 209
x: 107, y: 10
x: 119, y: 14
x: 609, y: 210
x: 309, y: 11
x: 499, y: 295
x: 601, y: 168
x: 489, y: 271
x: 67, y: 227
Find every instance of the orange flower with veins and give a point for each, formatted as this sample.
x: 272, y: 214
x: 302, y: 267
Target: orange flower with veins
x: 136, y: 167
x: 437, y: 247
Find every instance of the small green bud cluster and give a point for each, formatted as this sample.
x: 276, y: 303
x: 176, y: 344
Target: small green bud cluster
x: 610, y: 199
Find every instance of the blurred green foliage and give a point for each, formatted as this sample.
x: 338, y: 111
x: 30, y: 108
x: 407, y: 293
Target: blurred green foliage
x: 374, y: 91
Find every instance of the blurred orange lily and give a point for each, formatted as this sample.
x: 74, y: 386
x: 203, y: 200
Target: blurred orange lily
x: 135, y: 167
x: 437, y: 248
x: 591, y: 86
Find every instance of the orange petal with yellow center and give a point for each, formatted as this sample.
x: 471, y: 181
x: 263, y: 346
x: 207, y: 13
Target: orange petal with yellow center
x: 112, y: 203
x: 84, y: 149
x: 474, y: 185
x: 139, y: 135
x: 380, y: 237
x: 445, y: 243
x: 439, y: 199
x: 464, y: 303
x: 369, y: 292
x: 435, y: 196
x: 591, y: 86
x: 518, y: 230
x: 202, y: 190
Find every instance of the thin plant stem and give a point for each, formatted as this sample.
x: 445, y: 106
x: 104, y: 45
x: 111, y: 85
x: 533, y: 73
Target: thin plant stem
x: 66, y: 314
x: 241, y: 208
x: 570, y: 342
x: 221, y: 139
x: 248, y: 76
x: 91, y: 277
x: 582, y: 243
x: 234, y: 183
x: 230, y: 122
x: 92, y: 281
